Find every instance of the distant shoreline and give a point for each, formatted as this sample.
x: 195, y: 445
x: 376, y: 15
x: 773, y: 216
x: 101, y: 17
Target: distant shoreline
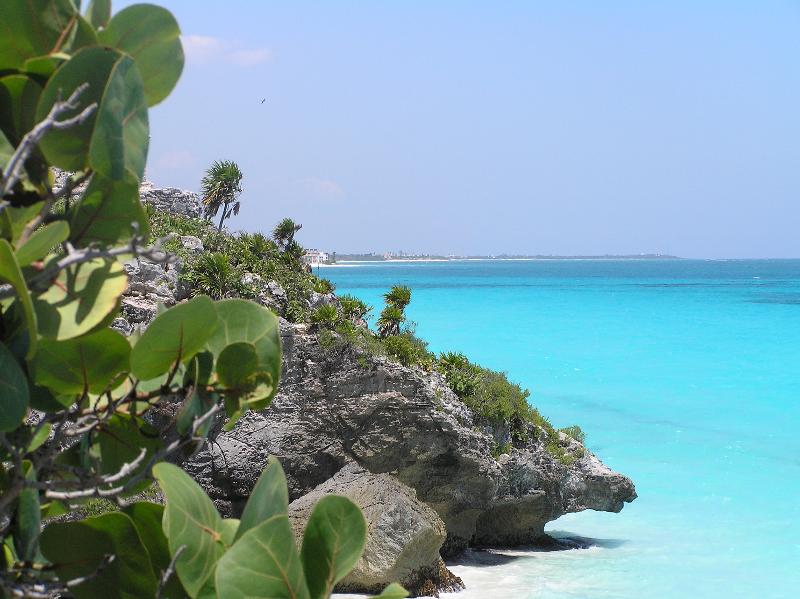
x: 353, y: 261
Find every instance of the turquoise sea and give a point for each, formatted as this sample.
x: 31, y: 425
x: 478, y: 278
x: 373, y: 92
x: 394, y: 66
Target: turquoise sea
x: 685, y: 376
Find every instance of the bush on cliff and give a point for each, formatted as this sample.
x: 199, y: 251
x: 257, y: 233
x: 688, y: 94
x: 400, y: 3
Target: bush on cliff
x: 76, y: 397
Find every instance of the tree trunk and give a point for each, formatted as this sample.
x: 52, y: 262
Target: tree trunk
x: 222, y: 218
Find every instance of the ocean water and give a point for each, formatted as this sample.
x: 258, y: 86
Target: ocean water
x: 685, y: 375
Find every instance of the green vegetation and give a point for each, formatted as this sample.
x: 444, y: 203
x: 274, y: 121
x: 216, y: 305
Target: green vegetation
x: 74, y: 394
x: 221, y: 185
x: 393, y: 315
x: 284, y: 232
x: 409, y: 350
x: 244, y: 253
x: 575, y: 432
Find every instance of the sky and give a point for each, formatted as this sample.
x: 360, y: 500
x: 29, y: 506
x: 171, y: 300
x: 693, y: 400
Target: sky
x: 565, y: 127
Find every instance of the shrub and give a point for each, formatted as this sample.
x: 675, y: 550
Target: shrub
x: 353, y: 308
x: 461, y: 376
x: 323, y: 286
x: 575, y: 432
x: 409, y: 350
x: 214, y: 276
x: 325, y: 316
x: 389, y: 321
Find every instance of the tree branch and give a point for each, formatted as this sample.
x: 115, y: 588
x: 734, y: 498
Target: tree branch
x: 13, y: 172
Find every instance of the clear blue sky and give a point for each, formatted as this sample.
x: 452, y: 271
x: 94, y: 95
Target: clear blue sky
x: 562, y: 127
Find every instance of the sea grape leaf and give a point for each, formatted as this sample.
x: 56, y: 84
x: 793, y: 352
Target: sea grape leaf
x: 333, y: 542
x: 150, y: 34
x: 28, y: 516
x: 174, y: 337
x: 107, y: 211
x: 18, y: 97
x: 120, y: 441
x: 190, y: 520
x: 393, y: 591
x: 81, y: 298
x: 88, y: 364
x: 268, y: 498
x: 263, y: 564
x: 229, y: 528
x: 31, y: 28
x: 98, y: 13
x: 242, y: 321
x: 113, y: 139
x: 43, y: 239
x: 147, y: 518
x: 10, y: 273
x: 13, y: 391
x: 236, y: 364
x: 78, y: 549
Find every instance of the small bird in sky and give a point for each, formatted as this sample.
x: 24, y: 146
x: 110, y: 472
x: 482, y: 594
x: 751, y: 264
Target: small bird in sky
x: 263, y: 100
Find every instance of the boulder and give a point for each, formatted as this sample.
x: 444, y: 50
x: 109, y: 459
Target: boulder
x: 403, y: 534
x: 337, y: 406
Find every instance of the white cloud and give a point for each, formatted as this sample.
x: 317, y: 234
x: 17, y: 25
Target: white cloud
x: 324, y: 188
x: 203, y: 49
x: 248, y: 58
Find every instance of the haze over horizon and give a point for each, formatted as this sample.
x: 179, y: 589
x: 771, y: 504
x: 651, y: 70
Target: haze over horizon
x: 464, y: 128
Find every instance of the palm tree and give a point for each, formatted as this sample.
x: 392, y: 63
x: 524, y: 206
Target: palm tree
x: 221, y: 185
x: 389, y: 321
x: 284, y: 231
x: 399, y: 296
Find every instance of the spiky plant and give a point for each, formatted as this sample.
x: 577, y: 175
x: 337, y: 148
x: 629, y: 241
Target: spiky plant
x: 221, y: 186
x: 284, y: 232
x: 399, y: 296
x: 214, y: 276
x: 389, y: 321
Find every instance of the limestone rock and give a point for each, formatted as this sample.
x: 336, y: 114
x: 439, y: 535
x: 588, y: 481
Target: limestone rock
x: 339, y: 406
x: 403, y: 534
x: 171, y: 199
x: 192, y: 244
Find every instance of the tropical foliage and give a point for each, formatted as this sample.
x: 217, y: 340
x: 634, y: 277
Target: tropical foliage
x: 221, y: 186
x: 75, y: 396
x: 284, y: 232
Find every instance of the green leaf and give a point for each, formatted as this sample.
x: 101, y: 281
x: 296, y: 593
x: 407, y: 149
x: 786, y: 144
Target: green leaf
x: 236, y: 365
x: 242, y: 321
x: 333, y: 542
x: 150, y: 34
x: 147, y: 518
x: 98, y: 13
x: 393, y: 591
x: 197, y: 404
x: 42, y: 241
x: 6, y: 150
x: 120, y: 441
x: 10, y: 273
x: 28, y: 518
x: 14, y: 219
x: 31, y: 28
x: 107, y: 211
x: 89, y: 364
x: 263, y: 564
x: 175, y: 336
x: 268, y: 498
x: 229, y: 528
x: 78, y: 549
x: 40, y: 435
x: 113, y: 139
x: 45, y: 66
x: 190, y: 519
x: 81, y: 298
x: 13, y: 391
x: 18, y: 97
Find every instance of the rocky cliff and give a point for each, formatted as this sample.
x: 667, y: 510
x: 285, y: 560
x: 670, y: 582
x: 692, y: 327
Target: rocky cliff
x: 398, y: 439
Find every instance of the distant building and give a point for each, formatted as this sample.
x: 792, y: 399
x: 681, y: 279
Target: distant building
x: 315, y: 257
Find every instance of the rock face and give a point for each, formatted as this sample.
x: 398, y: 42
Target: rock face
x: 340, y: 407
x: 395, y: 439
x: 403, y: 539
x: 171, y: 199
